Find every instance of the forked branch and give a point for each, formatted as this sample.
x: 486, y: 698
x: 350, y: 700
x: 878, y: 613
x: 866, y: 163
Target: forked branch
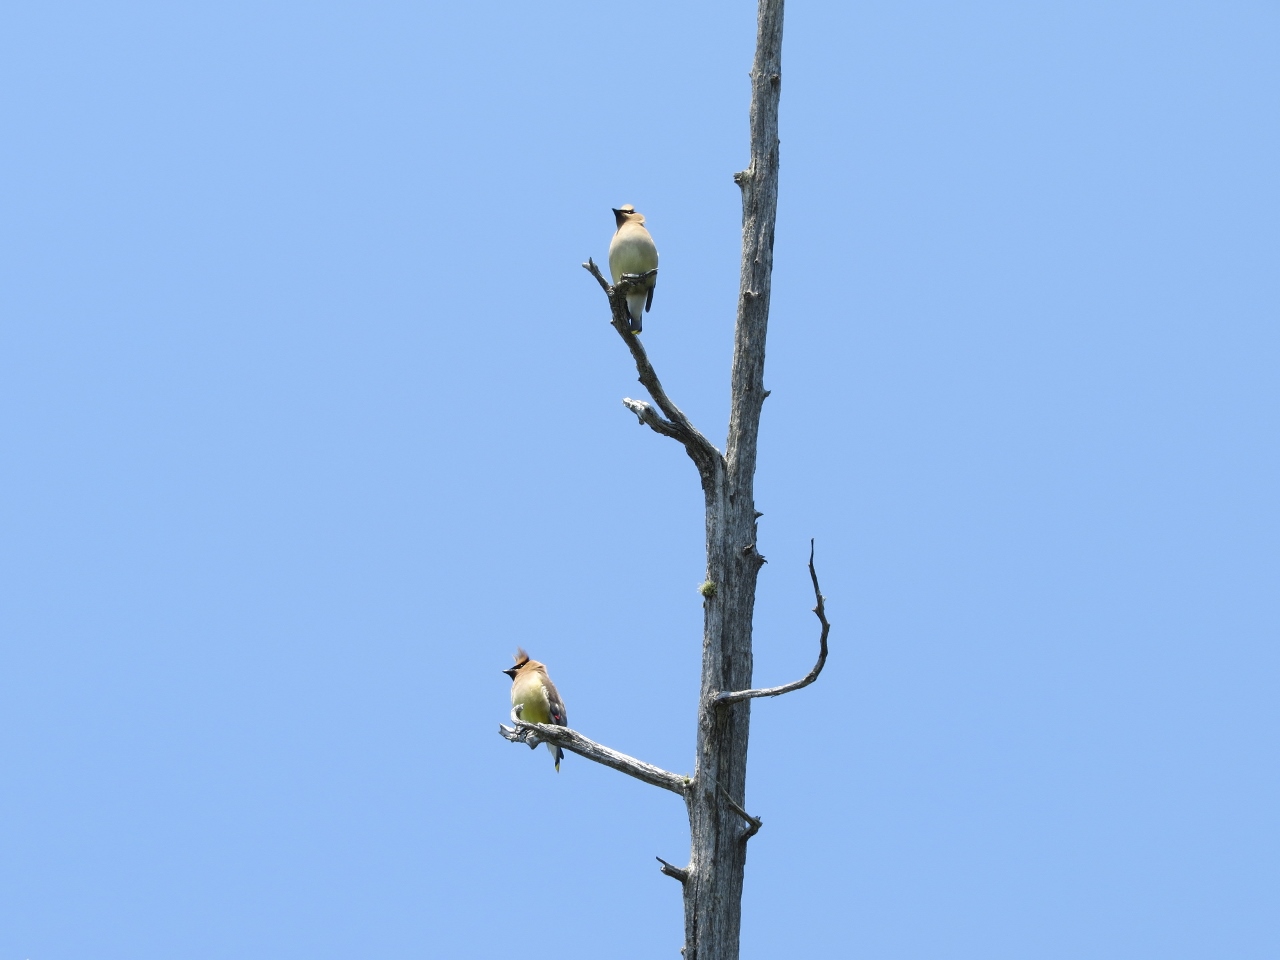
x: 672, y: 422
x: 537, y: 733
x: 820, y: 610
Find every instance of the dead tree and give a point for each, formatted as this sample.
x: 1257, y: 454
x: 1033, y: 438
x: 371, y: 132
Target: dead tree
x: 715, y: 795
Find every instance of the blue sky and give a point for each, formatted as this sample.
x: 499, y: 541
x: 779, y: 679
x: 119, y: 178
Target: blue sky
x: 310, y: 416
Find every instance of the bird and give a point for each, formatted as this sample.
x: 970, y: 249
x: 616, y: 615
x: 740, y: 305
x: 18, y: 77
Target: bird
x: 632, y: 252
x: 536, y: 697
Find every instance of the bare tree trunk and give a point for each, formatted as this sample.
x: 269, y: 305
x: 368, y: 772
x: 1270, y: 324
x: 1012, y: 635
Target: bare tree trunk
x: 718, y: 857
x: 716, y: 793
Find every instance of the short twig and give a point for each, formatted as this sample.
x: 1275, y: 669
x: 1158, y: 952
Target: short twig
x: 753, y: 823
x: 738, y: 695
x: 671, y: 870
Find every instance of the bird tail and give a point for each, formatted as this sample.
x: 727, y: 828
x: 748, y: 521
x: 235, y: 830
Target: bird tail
x: 557, y: 753
x: 635, y: 308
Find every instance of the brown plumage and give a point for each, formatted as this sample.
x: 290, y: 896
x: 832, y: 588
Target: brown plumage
x: 536, y: 696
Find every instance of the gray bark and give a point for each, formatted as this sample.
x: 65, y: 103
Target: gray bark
x: 718, y: 849
x: 538, y: 733
x: 716, y: 793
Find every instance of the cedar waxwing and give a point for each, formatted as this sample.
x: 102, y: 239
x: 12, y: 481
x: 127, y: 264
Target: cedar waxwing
x: 632, y: 251
x: 537, y: 697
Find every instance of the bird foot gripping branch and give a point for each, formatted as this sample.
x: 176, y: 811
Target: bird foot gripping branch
x: 622, y: 290
x: 521, y: 731
x: 627, y: 279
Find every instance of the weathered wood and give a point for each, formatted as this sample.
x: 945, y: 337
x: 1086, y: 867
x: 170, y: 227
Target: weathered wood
x: 718, y: 849
x: 535, y: 734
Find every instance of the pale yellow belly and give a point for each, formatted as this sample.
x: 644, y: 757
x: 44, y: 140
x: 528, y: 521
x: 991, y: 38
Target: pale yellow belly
x: 535, y: 708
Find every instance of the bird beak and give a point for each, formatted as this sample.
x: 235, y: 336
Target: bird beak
x: 616, y: 211
x: 510, y: 672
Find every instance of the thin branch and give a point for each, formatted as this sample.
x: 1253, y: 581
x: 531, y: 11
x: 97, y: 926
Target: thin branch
x: 821, y: 611
x: 536, y: 733
x: 676, y: 425
x: 753, y: 823
x: 671, y: 870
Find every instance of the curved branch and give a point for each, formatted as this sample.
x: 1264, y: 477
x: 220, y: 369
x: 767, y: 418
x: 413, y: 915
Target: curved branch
x: 738, y: 695
x: 536, y: 733
x: 676, y: 425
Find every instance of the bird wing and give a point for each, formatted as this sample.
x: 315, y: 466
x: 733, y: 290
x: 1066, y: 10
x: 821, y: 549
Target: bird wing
x: 558, y: 715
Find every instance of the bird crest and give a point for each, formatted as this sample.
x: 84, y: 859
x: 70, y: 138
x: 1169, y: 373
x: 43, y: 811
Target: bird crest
x: 521, y: 657
x: 627, y: 214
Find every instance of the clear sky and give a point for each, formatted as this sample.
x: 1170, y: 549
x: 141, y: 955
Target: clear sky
x: 309, y: 416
